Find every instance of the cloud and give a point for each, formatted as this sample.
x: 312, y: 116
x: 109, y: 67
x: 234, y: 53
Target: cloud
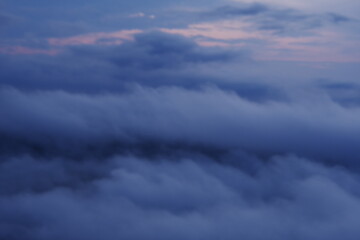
x: 346, y: 7
x: 274, y: 33
x: 159, y: 50
x: 336, y: 18
x: 232, y: 11
x: 277, y: 20
x: 97, y: 97
x: 20, y: 50
x: 254, y: 26
x: 346, y: 94
x: 160, y: 137
x: 113, y: 38
x: 193, y: 200
x: 176, y: 117
x: 167, y: 60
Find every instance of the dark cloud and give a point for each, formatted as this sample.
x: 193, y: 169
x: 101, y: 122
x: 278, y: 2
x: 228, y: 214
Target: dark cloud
x: 152, y: 59
x: 337, y: 18
x: 25, y: 174
x: 92, y: 101
x: 277, y: 20
x: 232, y: 11
x: 187, y: 199
x: 158, y: 50
x: 72, y: 123
x: 346, y: 94
x: 295, y: 22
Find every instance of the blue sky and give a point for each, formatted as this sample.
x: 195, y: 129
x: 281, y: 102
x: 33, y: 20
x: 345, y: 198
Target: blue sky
x: 179, y: 120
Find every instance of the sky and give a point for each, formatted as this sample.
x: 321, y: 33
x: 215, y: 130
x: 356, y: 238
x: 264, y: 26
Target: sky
x: 189, y: 120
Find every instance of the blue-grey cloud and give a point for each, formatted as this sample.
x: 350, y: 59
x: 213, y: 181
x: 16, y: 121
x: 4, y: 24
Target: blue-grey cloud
x: 95, y: 98
x: 158, y: 50
x: 72, y: 123
x: 277, y: 20
x: 346, y: 93
x: 160, y: 138
x: 232, y: 11
x: 152, y: 59
x: 188, y: 199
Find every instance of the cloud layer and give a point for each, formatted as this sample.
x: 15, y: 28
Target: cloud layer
x: 161, y: 137
x: 192, y: 198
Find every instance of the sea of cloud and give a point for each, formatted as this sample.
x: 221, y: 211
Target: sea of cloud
x: 135, y: 142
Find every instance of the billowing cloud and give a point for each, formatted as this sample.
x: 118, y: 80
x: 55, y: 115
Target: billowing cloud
x: 116, y: 124
x: 176, y: 117
x: 191, y: 199
x: 167, y: 59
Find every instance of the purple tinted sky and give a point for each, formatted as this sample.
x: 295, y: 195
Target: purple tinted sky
x: 316, y: 31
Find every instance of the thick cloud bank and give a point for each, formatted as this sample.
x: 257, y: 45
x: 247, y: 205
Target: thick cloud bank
x: 153, y: 139
x: 65, y: 123
x: 284, y: 198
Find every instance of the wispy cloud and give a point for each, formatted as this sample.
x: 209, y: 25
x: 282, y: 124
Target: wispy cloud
x: 101, y: 38
x: 21, y: 50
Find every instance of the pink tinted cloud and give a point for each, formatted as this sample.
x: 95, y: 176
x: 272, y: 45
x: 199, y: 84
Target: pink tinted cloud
x: 101, y: 38
x: 21, y: 50
x: 319, y: 56
x: 209, y: 43
x: 322, y: 46
x: 222, y: 30
x: 325, y: 46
